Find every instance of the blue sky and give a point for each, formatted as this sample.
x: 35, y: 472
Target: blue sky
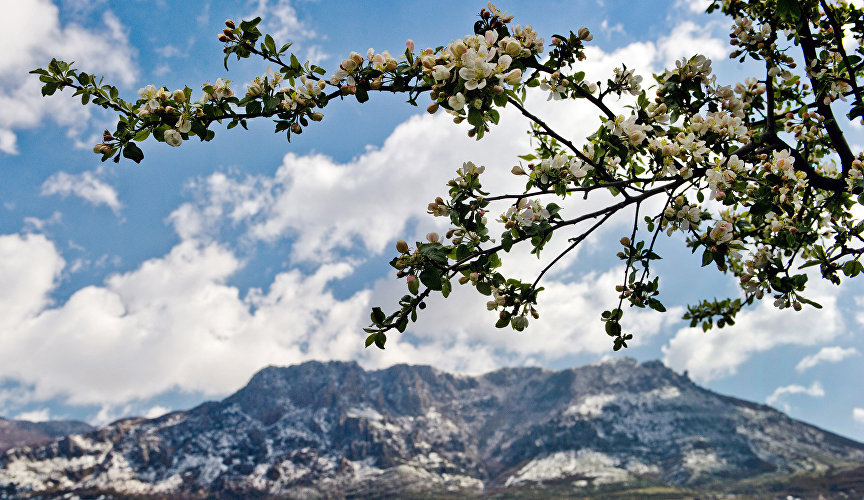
x: 136, y: 289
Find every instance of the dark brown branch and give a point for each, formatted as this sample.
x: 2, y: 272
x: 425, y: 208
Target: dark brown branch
x: 838, y: 38
x: 838, y: 140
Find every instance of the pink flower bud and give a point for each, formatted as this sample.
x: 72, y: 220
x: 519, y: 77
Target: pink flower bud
x: 402, y: 246
x: 432, y: 237
x: 409, y: 44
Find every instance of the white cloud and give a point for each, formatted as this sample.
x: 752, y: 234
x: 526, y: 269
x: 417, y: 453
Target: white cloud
x: 31, y: 41
x: 280, y: 19
x: 688, y: 39
x: 610, y: 30
x: 858, y: 415
x: 815, y: 390
x: 35, y: 223
x: 85, y: 185
x: 42, y: 415
x: 826, y: 355
x: 694, y: 6
x: 718, y: 353
x: 8, y: 142
x: 156, y: 411
x: 171, y: 321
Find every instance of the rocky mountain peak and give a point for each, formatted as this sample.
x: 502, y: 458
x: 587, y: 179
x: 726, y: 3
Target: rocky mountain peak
x: 333, y: 429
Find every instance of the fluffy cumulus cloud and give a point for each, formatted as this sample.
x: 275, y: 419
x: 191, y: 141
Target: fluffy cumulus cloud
x: 826, y: 355
x: 718, y: 353
x: 86, y: 185
x: 31, y: 41
x: 815, y: 390
x: 280, y: 19
x: 171, y: 321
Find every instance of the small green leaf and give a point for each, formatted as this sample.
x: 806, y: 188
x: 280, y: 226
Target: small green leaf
x: 362, y: 95
x: 707, y: 257
x: 378, y: 316
x: 270, y: 44
x: 133, y: 152
x: 380, y: 340
x: 431, y: 277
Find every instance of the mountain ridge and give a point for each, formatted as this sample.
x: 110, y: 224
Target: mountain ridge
x: 334, y: 430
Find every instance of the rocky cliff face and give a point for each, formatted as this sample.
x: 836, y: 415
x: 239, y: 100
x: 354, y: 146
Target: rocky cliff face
x: 333, y: 430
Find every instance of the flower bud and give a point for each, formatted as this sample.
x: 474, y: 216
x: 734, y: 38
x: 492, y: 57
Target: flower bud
x: 106, y: 136
x: 432, y: 237
x: 585, y: 34
x: 402, y: 246
x: 796, y: 305
x: 625, y: 241
x: 432, y: 108
x: 222, y: 38
x: 316, y: 117
x: 409, y: 44
x: 173, y: 138
x: 463, y: 280
x: 170, y: 110
x: 230, y: 24
x: 411, y: 279
x: 179, y: 96
x: 375, y: 84
x: 98, y: 148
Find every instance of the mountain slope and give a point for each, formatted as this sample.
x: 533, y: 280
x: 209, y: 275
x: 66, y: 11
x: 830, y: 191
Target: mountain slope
x: 15, y: 433
x: 333, y: 430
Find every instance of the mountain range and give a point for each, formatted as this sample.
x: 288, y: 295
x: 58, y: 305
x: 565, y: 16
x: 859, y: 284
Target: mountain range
x: 335, y: 430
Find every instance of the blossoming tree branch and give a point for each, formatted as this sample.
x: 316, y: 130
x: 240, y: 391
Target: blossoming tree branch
x: 758, y: 175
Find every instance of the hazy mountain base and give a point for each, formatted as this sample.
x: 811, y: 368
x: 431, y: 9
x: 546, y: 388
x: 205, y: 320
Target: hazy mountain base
x: 334, y: 430
x: 843, y: 483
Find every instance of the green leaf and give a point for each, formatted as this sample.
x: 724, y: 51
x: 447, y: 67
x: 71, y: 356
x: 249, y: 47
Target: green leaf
x: 707, y: 257
x: 434, y: 251
x: 656, y: 305
x: 507, y: 241
x: 133, y: 152
x: 446, y: 288
x: 270, y: 44
x: 380, y: 340
x: 362, y: 95
x: 810, y: 302
x: 431, y: 277
x: 475, y: 117
x: 503, y: 320
x: 378, y: 316
x: 142, y: 134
